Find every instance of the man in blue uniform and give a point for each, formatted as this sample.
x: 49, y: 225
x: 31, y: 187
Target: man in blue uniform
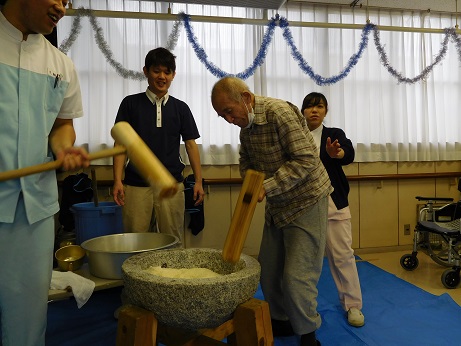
x: 39, y: 97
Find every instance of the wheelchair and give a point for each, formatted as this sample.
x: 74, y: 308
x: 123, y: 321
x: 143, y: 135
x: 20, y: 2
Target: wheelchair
x: 438, y: 234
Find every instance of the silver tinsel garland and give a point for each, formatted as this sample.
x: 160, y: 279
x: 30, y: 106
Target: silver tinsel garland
x: 74, y: 32
x: 424, y: 73
x: 174, y: 35
x: 104, y: 47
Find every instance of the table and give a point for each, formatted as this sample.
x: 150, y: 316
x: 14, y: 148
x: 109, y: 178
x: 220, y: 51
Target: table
x: 100, y: 284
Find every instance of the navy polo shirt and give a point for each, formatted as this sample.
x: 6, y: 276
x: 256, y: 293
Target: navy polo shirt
x: 177, y: 122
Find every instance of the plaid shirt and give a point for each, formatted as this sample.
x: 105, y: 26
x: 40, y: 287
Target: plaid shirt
x: 280, y: 145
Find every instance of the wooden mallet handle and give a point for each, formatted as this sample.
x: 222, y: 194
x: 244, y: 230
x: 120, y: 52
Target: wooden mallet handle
x: 53, y: 165
x: 243, y: 213
x: 148, y: 165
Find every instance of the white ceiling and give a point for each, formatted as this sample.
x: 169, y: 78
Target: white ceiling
x: 433, y: 5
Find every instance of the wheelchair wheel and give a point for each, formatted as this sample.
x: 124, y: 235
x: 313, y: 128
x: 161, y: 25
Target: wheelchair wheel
x: 409, y: 262
x: 450, y: 278
x: 438, y: 249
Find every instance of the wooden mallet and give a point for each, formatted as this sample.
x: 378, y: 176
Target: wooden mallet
x: 243, y: 214
x: 148, y: 165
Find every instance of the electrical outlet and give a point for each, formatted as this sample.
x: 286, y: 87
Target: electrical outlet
x: 406, y: 229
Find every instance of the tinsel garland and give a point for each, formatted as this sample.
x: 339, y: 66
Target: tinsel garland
x: 104, y: 47
x: 456, y: 40
x: 74, y: 32
x: 424, y: 73
x: 450, y: 33
x: 199, y: 51
x: 261, y: 56
x: 174, y: 35
x: 216, y: 71
x: 319, y: 80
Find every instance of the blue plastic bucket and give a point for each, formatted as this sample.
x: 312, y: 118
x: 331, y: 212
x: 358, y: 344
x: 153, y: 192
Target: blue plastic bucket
x: 94, y: 221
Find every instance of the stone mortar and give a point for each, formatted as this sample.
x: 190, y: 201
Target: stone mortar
x: 190, y: 304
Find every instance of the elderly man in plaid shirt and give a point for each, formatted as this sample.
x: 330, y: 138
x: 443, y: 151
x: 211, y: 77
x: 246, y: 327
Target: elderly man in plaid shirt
x: 275, y: 140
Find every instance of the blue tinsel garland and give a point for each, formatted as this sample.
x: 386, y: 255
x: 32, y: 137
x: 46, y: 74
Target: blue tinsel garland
x: 319, y: 80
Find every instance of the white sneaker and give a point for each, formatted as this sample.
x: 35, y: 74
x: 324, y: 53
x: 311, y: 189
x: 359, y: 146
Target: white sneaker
x: 355, y: 317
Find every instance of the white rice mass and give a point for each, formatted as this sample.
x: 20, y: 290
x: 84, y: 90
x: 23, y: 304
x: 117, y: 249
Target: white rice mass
x: 183, y: 273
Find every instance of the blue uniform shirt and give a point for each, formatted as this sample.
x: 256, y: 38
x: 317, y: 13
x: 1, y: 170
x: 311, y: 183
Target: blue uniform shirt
x: 38, y: 84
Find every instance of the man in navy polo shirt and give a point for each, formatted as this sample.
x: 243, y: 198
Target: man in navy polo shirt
x: 160, y: 120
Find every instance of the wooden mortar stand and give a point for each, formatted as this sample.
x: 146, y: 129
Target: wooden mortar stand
x: 250, y: 325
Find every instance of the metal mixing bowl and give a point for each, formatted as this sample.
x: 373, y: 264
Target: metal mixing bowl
x: 106, y: 254
x: 70, y: 257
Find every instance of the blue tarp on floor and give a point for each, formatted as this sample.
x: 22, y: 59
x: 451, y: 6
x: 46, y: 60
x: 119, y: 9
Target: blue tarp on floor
x: 396, y: 313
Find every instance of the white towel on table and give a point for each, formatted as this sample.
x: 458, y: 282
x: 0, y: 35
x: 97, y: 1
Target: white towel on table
x: 82, y: 288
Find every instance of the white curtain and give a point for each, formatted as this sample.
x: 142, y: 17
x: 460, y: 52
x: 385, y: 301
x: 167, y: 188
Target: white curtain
x: 385, y: 119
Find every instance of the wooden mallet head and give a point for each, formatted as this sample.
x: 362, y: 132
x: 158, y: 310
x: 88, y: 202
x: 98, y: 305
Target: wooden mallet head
x: 148, y: 165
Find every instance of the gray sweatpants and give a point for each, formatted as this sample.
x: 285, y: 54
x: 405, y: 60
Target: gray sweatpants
x: 291, y: 261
